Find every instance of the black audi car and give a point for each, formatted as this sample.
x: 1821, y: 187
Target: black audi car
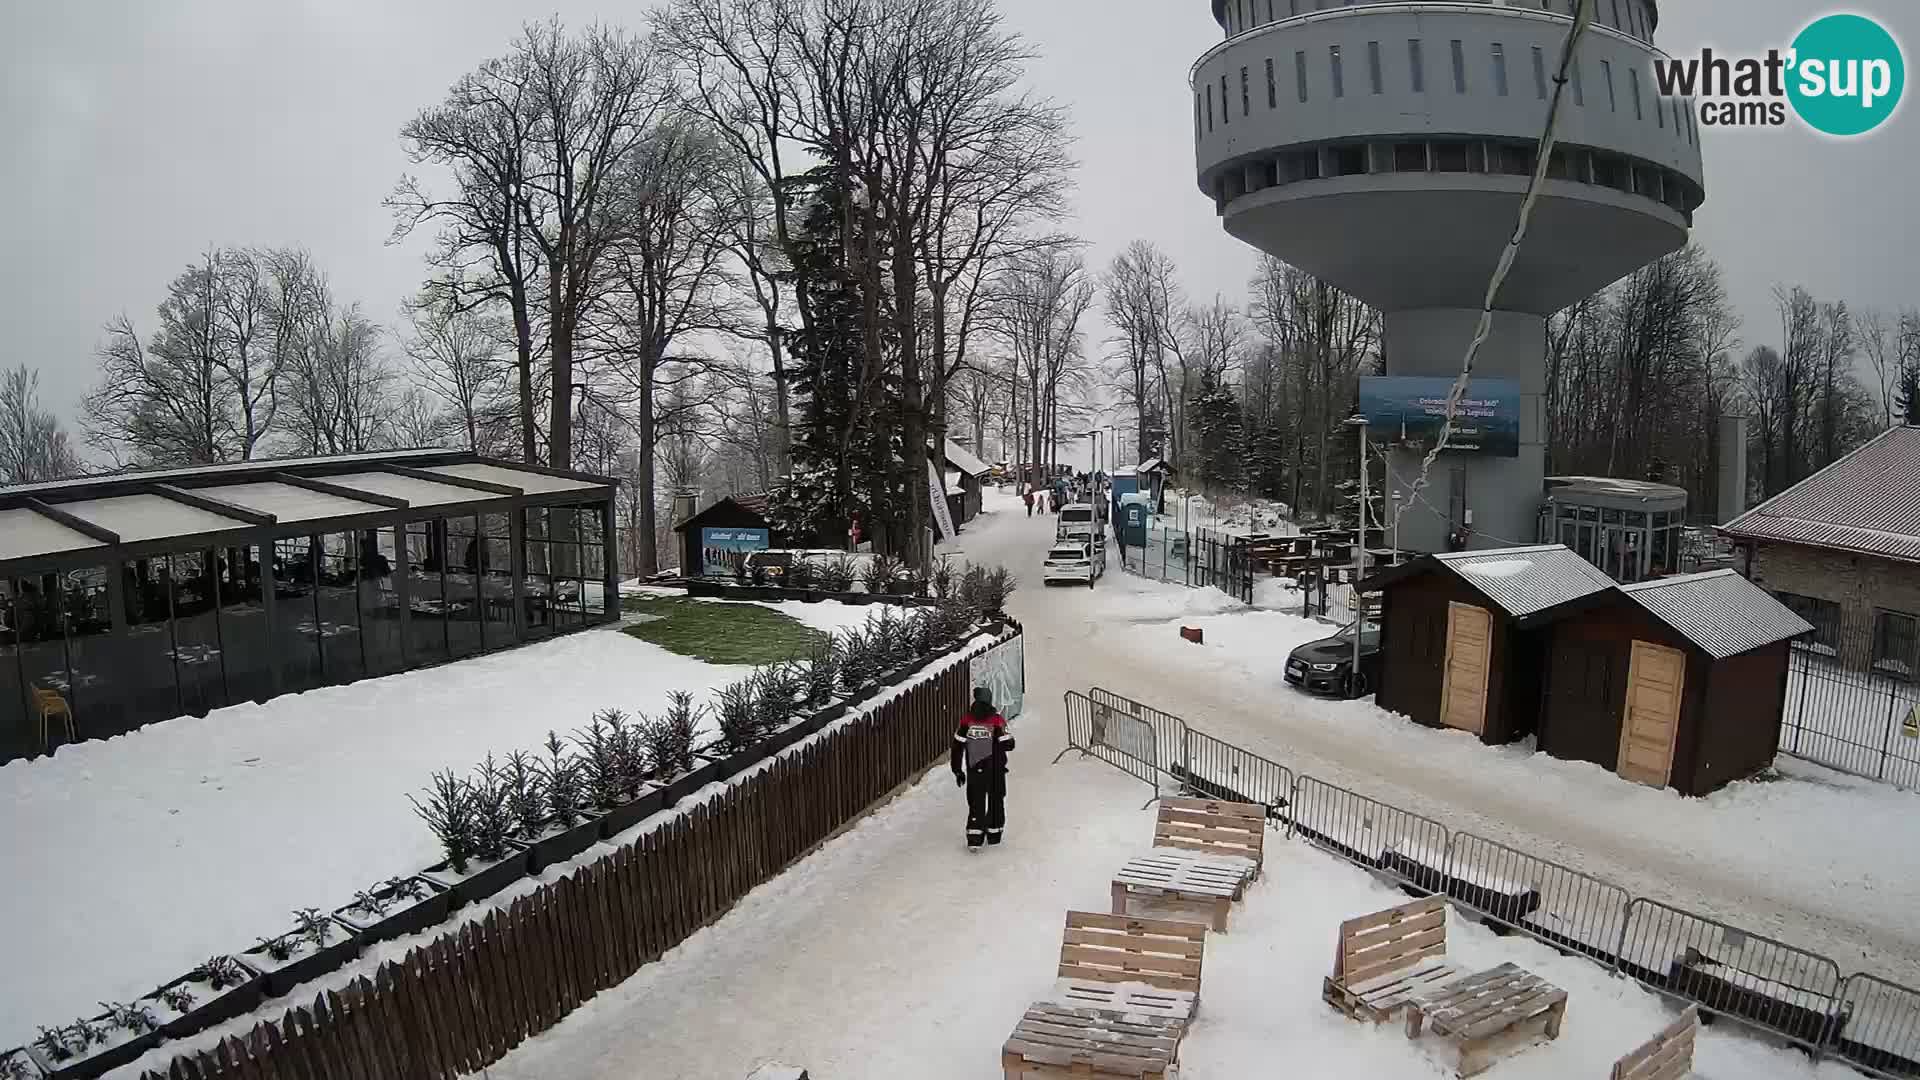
x: 1326, y: 666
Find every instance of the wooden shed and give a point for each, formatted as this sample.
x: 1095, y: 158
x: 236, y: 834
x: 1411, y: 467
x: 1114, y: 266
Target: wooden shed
x: 714, y: 541
x: 966, y: 478
x: 1463, y: 635
x: 1677, y: 682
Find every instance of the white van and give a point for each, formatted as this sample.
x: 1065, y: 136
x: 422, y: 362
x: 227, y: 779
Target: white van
x: 1077, y: 521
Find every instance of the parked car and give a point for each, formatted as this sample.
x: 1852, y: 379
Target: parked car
x: 1326, y: 666
x: 1075, y: 562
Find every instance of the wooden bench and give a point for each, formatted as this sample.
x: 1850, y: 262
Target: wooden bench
x: 1205, y: 851
x: 1383, y: 958
x: 1666, y: 1056
x: 1054, y: 1040
x: 1486, y: 1014
x: 1122, y: 964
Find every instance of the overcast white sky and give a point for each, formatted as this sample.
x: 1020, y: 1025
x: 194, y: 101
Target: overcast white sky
x: 138, y: 133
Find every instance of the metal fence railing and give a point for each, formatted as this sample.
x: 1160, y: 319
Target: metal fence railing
x: 1867, y: 1021
x: 1851, y: 703
x: 1203, y: 559
x: 1769, y: 983
x: 1120, y: 740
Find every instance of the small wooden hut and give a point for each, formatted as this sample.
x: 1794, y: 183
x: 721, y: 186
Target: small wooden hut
x: 1677, y: 682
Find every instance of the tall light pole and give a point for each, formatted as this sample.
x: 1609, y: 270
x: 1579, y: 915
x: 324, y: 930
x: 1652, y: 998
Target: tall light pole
x: 1359, y: 423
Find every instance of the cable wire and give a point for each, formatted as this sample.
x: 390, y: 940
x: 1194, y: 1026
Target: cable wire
x: 1582, y: 19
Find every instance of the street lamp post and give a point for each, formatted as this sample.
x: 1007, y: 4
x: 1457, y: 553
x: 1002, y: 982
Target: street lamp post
x: 1359, y: 424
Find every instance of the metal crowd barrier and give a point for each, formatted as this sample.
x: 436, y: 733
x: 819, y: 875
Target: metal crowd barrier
x: 1869, y: 1022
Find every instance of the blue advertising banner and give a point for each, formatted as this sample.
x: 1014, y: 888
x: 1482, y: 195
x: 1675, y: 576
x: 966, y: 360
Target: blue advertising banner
x: 1408, y: 410
x: 723, y: 550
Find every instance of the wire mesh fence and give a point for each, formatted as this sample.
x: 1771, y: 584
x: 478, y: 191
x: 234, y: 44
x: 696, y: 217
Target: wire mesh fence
x: 1870, y: 1022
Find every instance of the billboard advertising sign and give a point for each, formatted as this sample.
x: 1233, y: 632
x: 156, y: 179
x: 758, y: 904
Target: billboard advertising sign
x: 723, y: 550
x: 1408, y: 410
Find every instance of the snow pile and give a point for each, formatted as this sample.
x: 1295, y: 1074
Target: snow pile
x: 1495, y: 568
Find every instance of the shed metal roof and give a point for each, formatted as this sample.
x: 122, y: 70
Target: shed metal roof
x: 1720, y: 611
x: 25, y: 533
x: 1868, y: 501
x: 288, y: 503
x: 1526, y: 580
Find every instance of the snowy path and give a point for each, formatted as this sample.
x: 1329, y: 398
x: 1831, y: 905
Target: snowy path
x: 1807, y: 859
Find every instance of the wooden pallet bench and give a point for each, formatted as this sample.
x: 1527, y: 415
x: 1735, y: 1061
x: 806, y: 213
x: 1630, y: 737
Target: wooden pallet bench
x: 1666, y: 1056
x: 1382, y: 959
x: 1055, y: 1041
x: 1205, y: 851
x: 1487, y: 1014
x: 1211, y: 882
x: 1145, y: 966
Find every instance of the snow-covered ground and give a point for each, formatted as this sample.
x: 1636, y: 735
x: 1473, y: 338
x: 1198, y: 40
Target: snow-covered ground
x: 1809, y: 856
x: 129, y: 860
x: 893, y: 953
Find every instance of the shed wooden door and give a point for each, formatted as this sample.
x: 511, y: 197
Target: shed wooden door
x: 1655, y: 677
x: 1463, y: 692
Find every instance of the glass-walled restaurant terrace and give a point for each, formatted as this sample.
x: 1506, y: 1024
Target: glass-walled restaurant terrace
x: 136, y: 598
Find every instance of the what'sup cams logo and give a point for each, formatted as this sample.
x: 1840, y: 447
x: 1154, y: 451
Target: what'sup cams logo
x: 1842, y: 76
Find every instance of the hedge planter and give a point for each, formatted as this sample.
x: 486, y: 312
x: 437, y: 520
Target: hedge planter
x: 402, y: 914
x: 122, y: 1046
x: 480, y: 880
x: 652, y: 800
x: 306, y: 962
x: 827, y: 714
x: 739, y: 761
x: 210, y: 1006
x: 14, y: 1060
x: 706, y: 770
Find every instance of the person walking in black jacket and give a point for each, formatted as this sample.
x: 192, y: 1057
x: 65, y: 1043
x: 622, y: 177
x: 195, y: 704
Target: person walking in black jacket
x: 979, y: 762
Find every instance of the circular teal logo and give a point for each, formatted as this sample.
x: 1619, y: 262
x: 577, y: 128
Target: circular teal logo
x: 1847, y: 75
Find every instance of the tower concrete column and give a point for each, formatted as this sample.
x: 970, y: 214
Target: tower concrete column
x: 1502, y: 494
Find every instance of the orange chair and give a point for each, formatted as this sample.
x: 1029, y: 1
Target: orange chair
x: 49, y: 703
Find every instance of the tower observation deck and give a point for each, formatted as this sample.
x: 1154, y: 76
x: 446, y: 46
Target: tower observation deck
x: 1385, y: 146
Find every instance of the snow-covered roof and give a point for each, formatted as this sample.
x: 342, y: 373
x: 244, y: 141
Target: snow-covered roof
x: 1525, y: 580
x: 1720, y: 611
x: 959, y: 458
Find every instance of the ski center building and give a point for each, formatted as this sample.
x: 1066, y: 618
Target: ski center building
x: 137, y: 597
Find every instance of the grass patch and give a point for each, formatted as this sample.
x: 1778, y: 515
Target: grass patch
x: 721, y: 633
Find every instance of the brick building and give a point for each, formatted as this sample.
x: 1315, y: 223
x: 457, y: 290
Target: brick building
x: 1842, y: 548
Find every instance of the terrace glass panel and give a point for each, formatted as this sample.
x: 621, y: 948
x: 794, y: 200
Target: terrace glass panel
x: 296, y: 583
x: 426, y: 592
x: 338, y: 627
x: 539, y: 566
x: 497, y: 580
x: 197, y: 653
x: 246, y: 641
x: 464, y: 579
x: 98, y: 683
x: 147, y: 643
x: 380, y: 602
x: 19, y: 728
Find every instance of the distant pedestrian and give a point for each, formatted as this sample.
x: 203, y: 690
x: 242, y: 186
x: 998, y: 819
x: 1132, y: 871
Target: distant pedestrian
x: 1027, y: 497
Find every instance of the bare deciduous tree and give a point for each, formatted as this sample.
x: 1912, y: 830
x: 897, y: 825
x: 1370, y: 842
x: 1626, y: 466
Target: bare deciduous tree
x: 33, y: 446
x: 457, y: 356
